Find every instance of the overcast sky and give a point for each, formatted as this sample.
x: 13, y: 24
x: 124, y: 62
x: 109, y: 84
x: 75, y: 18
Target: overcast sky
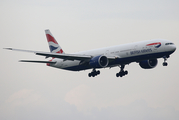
x: 35, y: 91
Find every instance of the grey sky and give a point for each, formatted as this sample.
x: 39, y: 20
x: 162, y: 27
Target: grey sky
x: 35, y: 91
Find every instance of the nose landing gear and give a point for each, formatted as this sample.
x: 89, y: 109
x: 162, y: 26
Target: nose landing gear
x: 165, y: 59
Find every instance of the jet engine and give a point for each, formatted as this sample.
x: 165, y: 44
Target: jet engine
x: 99, y: 61
x: 148, y: 64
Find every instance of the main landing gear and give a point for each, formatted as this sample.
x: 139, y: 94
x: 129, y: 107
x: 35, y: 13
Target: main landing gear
x: 94, y: 73
x: 122, y: 72
x: 165, y: 59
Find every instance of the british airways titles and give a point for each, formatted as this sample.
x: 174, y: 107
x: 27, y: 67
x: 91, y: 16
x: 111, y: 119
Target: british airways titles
x: 140, y: 51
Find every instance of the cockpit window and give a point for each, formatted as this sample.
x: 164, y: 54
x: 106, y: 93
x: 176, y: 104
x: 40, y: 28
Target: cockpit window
x: 168, y: 43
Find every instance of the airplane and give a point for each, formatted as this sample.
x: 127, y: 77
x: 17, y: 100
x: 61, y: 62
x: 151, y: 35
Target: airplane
x: 145, y: 53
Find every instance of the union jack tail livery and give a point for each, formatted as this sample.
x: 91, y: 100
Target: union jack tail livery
x: 53, y: 45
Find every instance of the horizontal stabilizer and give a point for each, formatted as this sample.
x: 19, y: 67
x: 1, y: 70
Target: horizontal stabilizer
x: 35, y: 61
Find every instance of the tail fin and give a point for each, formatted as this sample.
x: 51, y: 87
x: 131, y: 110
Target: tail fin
x: 53, y: 45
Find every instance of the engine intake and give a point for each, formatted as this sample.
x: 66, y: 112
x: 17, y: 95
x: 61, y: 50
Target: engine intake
x: 99, y: 61
x: 148, y: 64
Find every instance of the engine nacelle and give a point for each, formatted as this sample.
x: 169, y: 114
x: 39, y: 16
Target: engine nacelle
x: 148, y: 64
x: 99, y: 61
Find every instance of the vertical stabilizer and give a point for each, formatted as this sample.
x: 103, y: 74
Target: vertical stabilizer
x: 53, y: 45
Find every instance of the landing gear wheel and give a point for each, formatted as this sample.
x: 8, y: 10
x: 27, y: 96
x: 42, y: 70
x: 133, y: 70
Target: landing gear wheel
x: 165, y: 64
x: 98, y: 72
x: 121, y: 75
x: 117, y: 74
x: 89, y: 75
x: 126, y: 72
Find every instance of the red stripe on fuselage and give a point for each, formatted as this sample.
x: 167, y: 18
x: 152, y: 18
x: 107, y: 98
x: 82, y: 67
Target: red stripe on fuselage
x: 154, y: 44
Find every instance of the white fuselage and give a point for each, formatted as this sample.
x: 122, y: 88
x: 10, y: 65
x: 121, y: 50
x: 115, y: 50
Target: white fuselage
x: 124, y: 54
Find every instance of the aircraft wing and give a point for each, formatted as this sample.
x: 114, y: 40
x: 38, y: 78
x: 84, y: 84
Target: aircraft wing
x: 61, y: 56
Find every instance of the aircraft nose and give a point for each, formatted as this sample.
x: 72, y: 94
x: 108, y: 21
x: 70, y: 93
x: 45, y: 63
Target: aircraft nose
x: 173, y: 48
